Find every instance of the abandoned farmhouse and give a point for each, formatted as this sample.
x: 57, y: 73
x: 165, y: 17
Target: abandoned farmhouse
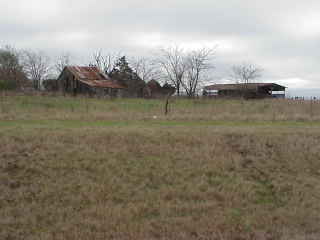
x: 87, y: 80
x: 91, y: 81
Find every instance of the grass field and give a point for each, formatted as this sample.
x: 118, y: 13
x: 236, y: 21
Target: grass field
x: 77, y: 168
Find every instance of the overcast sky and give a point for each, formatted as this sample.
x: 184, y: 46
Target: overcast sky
x: 281, y: 36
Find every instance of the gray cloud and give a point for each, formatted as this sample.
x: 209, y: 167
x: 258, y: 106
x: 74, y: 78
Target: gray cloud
x: 281, y: 36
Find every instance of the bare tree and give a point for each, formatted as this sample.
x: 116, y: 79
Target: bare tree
x: 11, y: 70
x: 246, y: 73
x: 173, y: 65
x: 61, y: 62
x: 105, y: 62
x: 198, y: 64
x: 37, y: 66
x: 145, y: 68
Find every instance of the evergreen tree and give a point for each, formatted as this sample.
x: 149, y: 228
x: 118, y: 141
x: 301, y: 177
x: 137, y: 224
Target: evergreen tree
x: 123, y: 73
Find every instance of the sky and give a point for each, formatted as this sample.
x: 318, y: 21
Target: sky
x: 282, y: 37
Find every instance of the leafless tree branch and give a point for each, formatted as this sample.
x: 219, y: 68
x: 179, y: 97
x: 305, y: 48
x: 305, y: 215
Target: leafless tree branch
x: 198, y: 63
x: 105, y: 62
x: 173, y: 65
x: 145, y: 68
x: 37, y: 66
x: 246, y: 73
x: 11, y: 71
x: 61, y: 62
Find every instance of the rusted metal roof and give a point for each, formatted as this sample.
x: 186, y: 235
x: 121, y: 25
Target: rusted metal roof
x: 102, y: 84
x: 89, y: 73
x: 250, y: 86
x: 93, y: 77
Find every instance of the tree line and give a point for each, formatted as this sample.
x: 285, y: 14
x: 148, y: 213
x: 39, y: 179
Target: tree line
x: 186, y: 70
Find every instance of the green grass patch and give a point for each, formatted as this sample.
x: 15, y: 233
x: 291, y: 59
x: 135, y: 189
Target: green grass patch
x: 151, y: 123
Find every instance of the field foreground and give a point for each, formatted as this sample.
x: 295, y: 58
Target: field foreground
x: 98, y: 169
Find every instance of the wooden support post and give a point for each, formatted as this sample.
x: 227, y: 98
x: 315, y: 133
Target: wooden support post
x: 166, y: 107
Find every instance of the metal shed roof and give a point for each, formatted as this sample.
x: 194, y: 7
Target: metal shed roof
x: 250, y: 86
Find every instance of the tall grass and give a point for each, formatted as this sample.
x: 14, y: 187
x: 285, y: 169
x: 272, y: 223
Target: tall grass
x: 76, y: 168
x: 43, y: 107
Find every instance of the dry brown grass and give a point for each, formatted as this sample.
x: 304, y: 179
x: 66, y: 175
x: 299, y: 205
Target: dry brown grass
x: 156, y: 181
x: 69, y: 108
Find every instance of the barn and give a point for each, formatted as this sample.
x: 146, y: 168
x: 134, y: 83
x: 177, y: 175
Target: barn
x: 153, y: 89
x: 248, y: 90
x: 88, y: 80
